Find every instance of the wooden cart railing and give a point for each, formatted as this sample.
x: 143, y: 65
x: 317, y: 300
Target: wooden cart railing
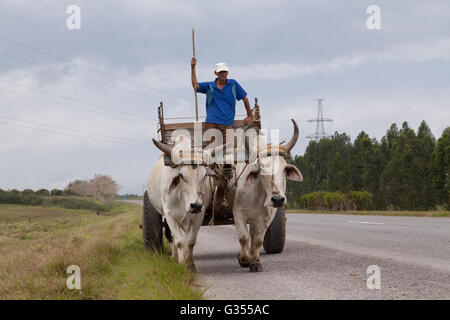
x: 165, y: 130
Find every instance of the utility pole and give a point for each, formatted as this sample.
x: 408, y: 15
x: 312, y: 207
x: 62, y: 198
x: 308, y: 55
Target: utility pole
x: 320, y: 130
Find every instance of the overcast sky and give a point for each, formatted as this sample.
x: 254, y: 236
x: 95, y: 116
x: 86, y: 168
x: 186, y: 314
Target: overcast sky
x: 286, y: 53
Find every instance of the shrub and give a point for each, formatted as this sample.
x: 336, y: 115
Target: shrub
x: 337, y: 201
x: 357, y: 200
x: 19, y: 198
x: 441, y: 207
x: 43, y: 192
x: 69, y: 192
x: 313, y: 201
x: 361, y: 200
x: 36, y: 200
x: 56, y: 192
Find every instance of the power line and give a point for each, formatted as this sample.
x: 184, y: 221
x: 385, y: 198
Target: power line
x: 72, y: 99
x: 74, y: 130
x: 67, y: 73
x: 69, y: 134
x: 89, y: 68
x: 68, y: 106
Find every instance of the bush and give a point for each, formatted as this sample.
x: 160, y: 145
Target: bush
x: 28, y: 191
x: 57, y: 192
x: 313, y: 201
x: 43, y: 192
x: 36, y: 200
x: 69, y: 192
x: 362, y: 200
x: 13, y: 197
x: 357, y: 200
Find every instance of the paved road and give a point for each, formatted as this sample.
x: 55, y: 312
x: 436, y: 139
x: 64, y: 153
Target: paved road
x: 326, y: 257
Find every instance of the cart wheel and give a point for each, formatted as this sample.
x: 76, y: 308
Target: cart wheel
x: 276, y: 234
x: 152, y: 226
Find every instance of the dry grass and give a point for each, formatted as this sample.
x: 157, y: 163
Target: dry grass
x: 38, y: 244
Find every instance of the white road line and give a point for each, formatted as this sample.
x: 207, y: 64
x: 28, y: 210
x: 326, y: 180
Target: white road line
x: 365, y: 222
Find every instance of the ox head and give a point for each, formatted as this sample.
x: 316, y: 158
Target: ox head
x: 273, y: 170
x: 187, y: 181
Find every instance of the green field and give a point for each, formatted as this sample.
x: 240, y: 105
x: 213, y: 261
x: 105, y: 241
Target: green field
x: 37, y: 244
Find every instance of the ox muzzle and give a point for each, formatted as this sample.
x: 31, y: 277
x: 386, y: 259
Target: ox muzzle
x: 196, y: 207
x: 278, y: 200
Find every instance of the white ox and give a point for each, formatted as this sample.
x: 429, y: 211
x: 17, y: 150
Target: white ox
x: 181, y: 195
x: 259, y: 192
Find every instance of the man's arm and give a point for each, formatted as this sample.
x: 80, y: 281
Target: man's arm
x: 193, y: 75
x: 241, y: 94
x: 249, y: 111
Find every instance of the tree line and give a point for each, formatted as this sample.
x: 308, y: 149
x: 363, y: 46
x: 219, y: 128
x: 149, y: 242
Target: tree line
x: 404, y: 171
x: 101, y: 187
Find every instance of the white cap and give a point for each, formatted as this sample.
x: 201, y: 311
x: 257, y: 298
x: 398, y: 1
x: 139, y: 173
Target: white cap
x: 221, y: 66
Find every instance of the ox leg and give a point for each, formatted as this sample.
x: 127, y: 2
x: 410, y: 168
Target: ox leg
x: 244, y: 241
x: 178, y: 239
x: 191, y: 239
x: 257, y: 239
x: 174, y: 250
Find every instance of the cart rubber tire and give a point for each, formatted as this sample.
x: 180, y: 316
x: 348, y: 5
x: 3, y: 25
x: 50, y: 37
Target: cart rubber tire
x: 152, y: 226
x: 275, y: 236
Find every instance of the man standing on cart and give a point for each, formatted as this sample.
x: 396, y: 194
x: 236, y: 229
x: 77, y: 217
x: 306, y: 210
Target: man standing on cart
x: 221, y: 96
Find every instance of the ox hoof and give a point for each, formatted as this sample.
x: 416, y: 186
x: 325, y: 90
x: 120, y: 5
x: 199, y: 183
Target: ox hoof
x: 243, y: 264
x: 191, y: 267
x: 255, y: 267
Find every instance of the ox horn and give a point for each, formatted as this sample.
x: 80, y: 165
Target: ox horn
x: 294, y: 138
x: 163, y: 147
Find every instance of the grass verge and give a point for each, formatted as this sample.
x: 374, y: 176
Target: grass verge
x: 377, y: 213
x: 38, y: 244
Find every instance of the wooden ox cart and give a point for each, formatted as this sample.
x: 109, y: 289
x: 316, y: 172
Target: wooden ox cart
x: 153, y: 223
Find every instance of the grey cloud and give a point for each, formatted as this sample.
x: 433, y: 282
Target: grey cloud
x: 286, y: 53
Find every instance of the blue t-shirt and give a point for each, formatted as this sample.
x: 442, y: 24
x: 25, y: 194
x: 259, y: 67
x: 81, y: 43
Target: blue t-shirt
x: 221, y: 104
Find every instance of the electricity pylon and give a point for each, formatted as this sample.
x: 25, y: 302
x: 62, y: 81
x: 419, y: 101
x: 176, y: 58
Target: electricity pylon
x: 320, y: 130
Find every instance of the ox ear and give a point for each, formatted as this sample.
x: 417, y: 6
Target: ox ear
x: 175, y: 182
x: 292, y: 173
x: 252, y: 176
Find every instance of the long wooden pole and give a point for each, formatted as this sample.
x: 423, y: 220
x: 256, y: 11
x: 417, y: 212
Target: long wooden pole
x: 195, y: 89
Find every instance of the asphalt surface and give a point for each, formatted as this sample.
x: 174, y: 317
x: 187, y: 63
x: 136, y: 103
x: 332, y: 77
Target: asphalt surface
x: 327, y: 256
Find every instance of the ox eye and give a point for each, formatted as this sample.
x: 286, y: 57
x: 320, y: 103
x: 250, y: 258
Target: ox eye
x: 181, y: 176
